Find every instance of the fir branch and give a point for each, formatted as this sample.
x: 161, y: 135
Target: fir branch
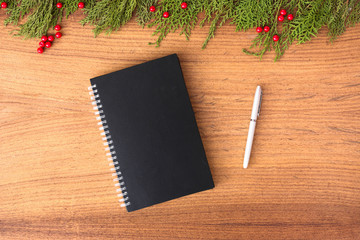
x: 248, y: 15
x: 264, y: 40
x: 308, y: 22
x: 109, y: 15
x: 222, y: 9
x: 18, y: 9
x: 41, y: 15
x: 143, y: 15
x: 71, y: 6
x: 287, y: 35
x: 184, y: 19
x: 38, y: 22
x: 354, y: 15
x: 336, y: 22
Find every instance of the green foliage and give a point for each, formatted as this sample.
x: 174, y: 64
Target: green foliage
x: 71, y: 6
x: 310, y: 16
x: 216, y: 12
x: 40, y: 20
x: 264, y: 40
x: 342, y: 14
x: 354, y: 15
x: 17, y: 12
x: 109, y: 15
x: 184, y: 19
x: 143, y: 15
x: 41, y: 15
x: 248, y: 15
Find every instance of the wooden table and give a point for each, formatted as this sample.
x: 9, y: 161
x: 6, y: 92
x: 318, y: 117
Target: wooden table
x: 303, y: 181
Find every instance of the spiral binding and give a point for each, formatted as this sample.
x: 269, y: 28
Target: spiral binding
x: 110, y: 152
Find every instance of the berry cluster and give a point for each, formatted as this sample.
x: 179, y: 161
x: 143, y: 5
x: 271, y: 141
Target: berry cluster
x: 46, y: 41
x: 260, y: 29
x: 3, y: 5
x: 282, y: 16
x: 80, y: 5
x: 280, y: 19
x: 166, y: 14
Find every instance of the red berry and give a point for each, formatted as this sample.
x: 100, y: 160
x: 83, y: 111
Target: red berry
x: 40, y: 50
x: 281, y: 18
x: 276, y: 38
x: 152, y: 9
x: 59, y: 5
x: 266, y: 29
x: 165, y: 14
x: 290, y: 17
x: 4, y: 5
x: 57, y: 28
x: 81, y: 5
x: 283, y: 12
x: 259, y: 29
x: 41, y: 44
x: 184, y: 5
x: 44, y: 38
x: 58, y: 35
x: 51, y: 38
x: 48, y: 44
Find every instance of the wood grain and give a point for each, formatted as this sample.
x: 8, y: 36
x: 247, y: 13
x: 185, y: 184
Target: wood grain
x: 303, y: 181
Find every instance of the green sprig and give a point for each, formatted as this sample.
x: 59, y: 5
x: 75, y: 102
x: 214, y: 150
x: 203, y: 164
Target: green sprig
x: 184, y: 19
x: 109, y: 15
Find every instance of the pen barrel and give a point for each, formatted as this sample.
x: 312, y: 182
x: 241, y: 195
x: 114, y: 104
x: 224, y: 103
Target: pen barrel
x: 256, y: 103
x: 249, y: 143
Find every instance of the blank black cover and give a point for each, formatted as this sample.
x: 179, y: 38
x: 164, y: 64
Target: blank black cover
x: 154, y: 132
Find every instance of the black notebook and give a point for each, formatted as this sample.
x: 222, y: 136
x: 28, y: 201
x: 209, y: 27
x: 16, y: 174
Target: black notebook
x: 150, y: 133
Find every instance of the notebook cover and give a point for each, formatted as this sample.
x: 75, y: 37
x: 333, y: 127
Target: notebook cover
x: 154, y: 132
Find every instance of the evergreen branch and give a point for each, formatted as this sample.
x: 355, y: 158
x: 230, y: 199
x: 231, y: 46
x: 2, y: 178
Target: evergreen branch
x: 18, y: 9
x: 184, y: 19
x: 354, y: 14
x: 222, y: 9
x: 109, y: 15
x: 336, y: 22
x: 39, y: 21
x: 288, y: 35
x: 264, y: 40
x: 143, y: 15
x: 249, y: 15
x: 71, y: 6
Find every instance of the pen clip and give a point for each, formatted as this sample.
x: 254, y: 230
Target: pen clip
x: 260, y: 103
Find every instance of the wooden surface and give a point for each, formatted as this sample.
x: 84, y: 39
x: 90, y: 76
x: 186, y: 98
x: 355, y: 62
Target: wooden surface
x: 303, y: 181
